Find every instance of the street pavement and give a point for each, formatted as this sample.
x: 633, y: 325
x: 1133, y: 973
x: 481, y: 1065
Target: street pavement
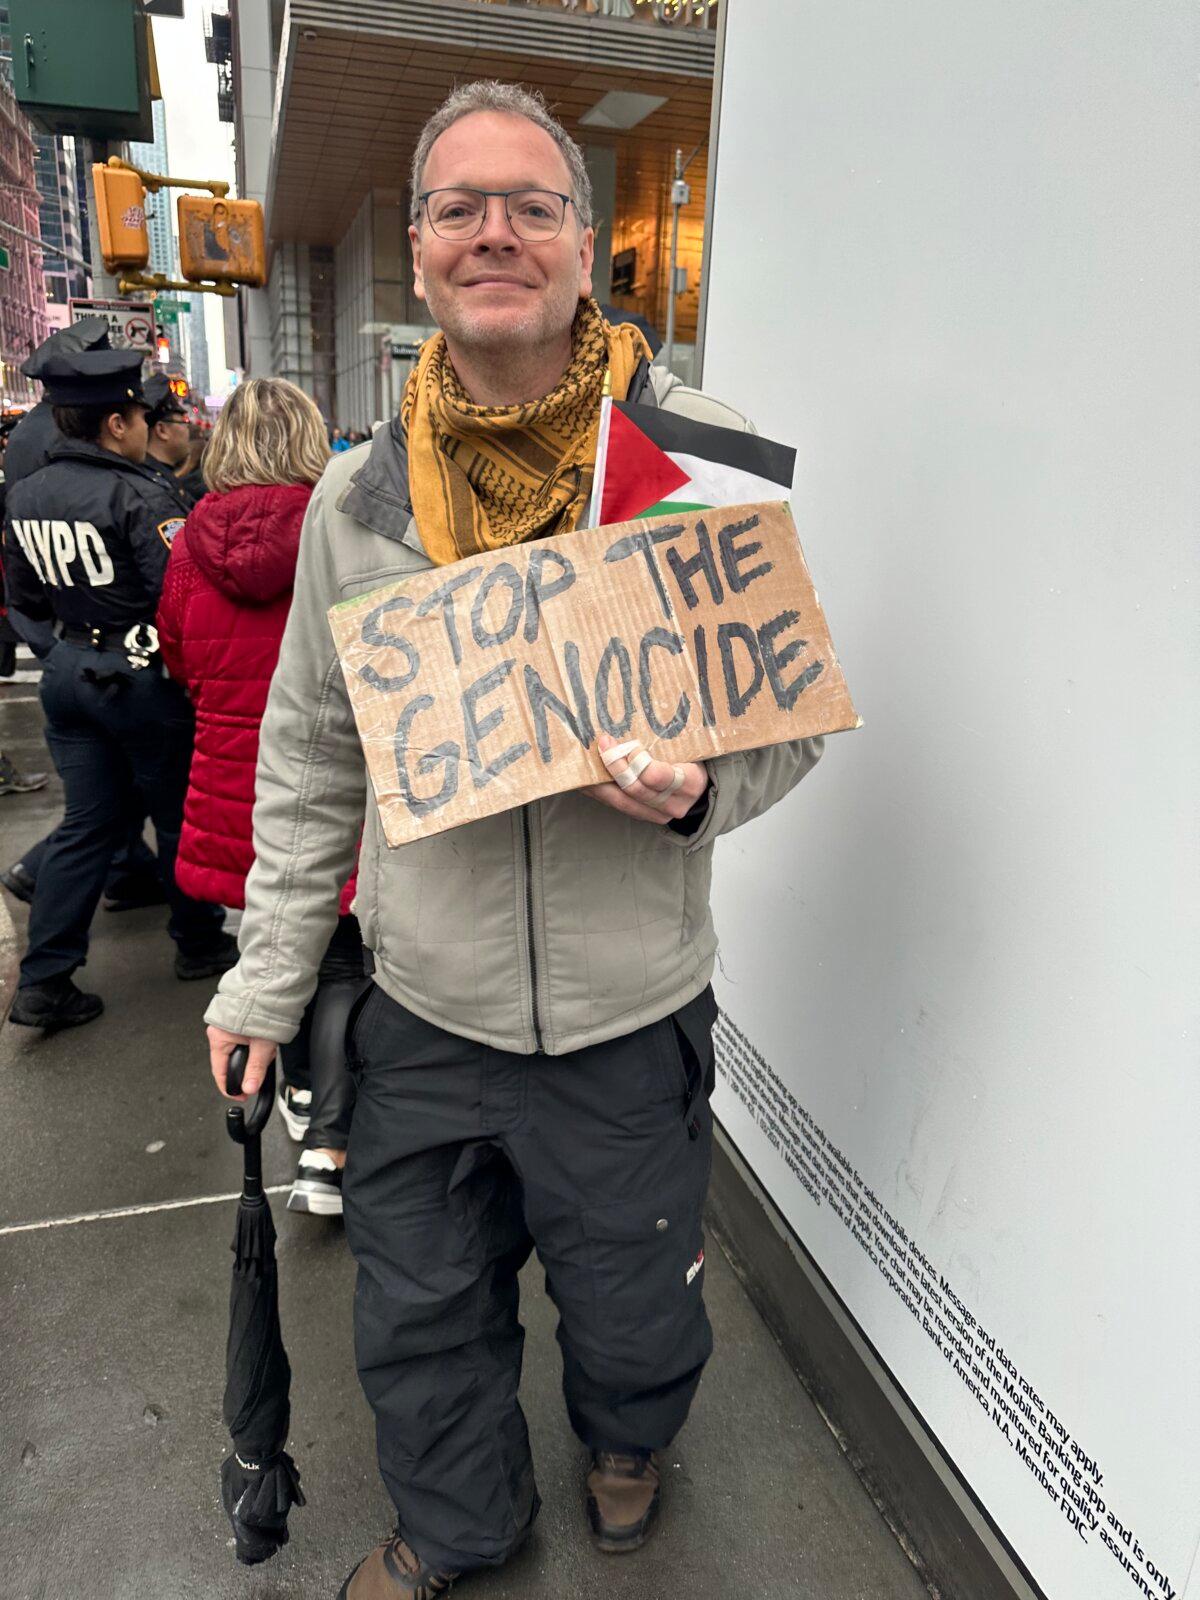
x: 113, y: 1332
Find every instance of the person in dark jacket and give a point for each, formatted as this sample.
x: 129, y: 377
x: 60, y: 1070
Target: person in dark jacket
x: 169, y: 440
x: 191, y: 470
x: 86, y: 542
x: 133, y: 879
x: 12, y: 779
x: 36, y: 435
x: 225, y: 601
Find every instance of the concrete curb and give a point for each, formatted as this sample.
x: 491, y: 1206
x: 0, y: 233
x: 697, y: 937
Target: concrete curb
x: 8, y: 959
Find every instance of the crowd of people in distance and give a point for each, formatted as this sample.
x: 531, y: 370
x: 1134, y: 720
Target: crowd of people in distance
x: 345, y: 439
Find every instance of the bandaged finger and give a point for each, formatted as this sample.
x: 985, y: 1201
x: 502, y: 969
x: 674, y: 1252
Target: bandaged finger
x: 679, y: 778
x: 637, y: 765
x: 618, y: 752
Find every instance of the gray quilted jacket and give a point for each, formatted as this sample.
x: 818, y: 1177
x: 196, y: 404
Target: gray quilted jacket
x: 550, y: 927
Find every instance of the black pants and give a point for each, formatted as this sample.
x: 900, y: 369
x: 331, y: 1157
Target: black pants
x: 462, y: 1159
x: 107, y: 739
x: 316, y: 1058
x: 132, y: 860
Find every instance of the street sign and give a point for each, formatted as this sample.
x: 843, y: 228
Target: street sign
x: 5, y: 259
x: 130, y: 322
x: 172, y: 310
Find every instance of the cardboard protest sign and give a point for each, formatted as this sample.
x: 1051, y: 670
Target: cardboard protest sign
x: 480, y: 686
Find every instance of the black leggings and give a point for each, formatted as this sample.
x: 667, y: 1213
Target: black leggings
x: 316, y: 1057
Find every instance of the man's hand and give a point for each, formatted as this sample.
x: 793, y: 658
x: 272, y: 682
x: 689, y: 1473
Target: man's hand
x: 220, y: 1044
x: 651, y: 791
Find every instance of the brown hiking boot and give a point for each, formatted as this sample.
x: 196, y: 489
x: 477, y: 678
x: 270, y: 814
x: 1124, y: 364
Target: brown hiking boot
x: 622, y: 1500
x: 393, y: 1571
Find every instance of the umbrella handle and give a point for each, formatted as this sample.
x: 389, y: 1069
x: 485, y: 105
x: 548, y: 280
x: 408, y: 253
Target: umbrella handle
x: 247, y: 1122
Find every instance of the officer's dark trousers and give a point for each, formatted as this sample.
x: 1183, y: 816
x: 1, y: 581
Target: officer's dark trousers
x: 462, y: 1159
x: 107, y: 739
x: 133, y: 858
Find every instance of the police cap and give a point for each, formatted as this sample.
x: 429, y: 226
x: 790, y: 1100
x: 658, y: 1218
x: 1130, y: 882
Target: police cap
x: 89, y: 333
x: 93, y: 378
x: 162, y: 400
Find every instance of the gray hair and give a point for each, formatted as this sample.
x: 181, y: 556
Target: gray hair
x: 487, y: 94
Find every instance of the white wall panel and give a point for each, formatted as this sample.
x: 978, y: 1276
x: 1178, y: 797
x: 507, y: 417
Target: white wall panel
x: 954, y: 260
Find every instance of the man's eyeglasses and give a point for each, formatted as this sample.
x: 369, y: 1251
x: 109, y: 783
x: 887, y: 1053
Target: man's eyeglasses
x: 534, y: 215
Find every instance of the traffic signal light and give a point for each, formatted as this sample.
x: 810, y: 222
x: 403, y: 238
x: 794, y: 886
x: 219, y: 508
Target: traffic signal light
x: 164, y: 349
x: 179, y: 388
x: 121, y: 214
x: 222, y: 240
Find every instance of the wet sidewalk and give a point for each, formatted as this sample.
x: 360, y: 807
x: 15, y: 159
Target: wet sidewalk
x: 114, y: 1335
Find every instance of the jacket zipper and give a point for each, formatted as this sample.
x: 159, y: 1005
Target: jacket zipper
x: 527, y: 836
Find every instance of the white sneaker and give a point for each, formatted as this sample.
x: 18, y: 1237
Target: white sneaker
x: 318, y: 1185
x: 295, y: 1107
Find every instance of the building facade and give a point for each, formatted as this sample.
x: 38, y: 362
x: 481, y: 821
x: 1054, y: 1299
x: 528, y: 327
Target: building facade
x: 23, y: 321
x: 66, y: 275
x: 328, y: 101
x: 198, y: 373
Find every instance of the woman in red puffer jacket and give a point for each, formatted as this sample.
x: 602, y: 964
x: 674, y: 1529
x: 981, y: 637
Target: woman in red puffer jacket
x: 224, y: 604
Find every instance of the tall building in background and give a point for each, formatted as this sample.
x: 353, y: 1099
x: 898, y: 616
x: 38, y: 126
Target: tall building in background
x: 23, y: 323
x: 81, y: 196
x: 198, y: 372
x: 66, y: 276
x: 161, y: 227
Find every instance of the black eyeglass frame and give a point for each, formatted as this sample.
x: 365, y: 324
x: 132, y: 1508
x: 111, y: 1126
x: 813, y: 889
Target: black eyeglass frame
x: 498, y: 194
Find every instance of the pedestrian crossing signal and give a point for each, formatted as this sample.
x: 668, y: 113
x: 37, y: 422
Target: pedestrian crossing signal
x: 221, y: 239
x: 121, y: 215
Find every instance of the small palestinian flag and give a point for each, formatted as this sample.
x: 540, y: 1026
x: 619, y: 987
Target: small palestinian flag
x: 652, y: 463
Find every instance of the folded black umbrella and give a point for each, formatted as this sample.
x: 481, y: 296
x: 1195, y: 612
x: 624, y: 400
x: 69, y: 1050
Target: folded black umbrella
x: 259, y: 1480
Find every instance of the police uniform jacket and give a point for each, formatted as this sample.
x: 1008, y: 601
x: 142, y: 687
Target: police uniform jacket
x: 176, y: 487
x: 31, y: 443
x: 86, y: 540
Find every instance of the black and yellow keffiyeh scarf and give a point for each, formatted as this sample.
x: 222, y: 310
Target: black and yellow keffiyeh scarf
x: 483, y: 477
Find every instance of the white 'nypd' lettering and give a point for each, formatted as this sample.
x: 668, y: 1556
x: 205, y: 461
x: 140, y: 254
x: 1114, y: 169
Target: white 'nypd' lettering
x: 97, y: 562
x: 50, y: 548
x: 27, y: 549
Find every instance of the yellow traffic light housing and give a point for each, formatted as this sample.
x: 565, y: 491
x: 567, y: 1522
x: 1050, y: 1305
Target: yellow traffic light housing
x: 121, y: 214
x: 222, y: 239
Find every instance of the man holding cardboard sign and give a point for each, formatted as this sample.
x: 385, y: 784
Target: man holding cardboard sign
x: 534, y: 1050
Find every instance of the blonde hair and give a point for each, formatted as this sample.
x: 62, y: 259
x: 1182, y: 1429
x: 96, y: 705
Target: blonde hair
x: 269, y: 431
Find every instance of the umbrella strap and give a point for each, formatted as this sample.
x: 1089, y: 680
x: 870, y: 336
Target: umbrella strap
x: 252, y: 1184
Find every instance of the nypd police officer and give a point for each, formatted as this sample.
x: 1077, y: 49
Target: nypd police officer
x: 169, y: 440
x: 86, y: 542
x: 133, y: 876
